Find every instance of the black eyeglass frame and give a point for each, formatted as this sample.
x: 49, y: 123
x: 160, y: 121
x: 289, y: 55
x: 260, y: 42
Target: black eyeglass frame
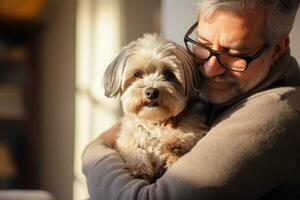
x: 212, y: 52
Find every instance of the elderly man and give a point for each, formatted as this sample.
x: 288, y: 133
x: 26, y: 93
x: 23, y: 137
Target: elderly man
x: 252, y: 149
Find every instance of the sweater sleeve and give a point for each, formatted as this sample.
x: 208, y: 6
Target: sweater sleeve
x: 249, y: 151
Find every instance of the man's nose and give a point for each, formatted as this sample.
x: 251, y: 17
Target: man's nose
x: 213, y: 68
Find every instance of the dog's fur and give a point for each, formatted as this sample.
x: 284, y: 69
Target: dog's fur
x: 156, y: 80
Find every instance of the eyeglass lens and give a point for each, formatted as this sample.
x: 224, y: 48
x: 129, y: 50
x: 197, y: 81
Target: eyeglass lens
x: 202, y: 54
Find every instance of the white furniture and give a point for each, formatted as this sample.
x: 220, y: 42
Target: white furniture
x: 25, y: 195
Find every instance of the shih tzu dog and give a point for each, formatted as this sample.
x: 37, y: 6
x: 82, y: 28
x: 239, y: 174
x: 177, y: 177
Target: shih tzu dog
x: 164, y: 118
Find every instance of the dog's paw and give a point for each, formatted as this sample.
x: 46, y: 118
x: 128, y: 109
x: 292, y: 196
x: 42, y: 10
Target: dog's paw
x: 171, y: 148
x: 141, y: 171
x: 170, y: 159
x: 174, y: 145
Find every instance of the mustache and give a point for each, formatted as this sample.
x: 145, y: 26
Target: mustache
x: 225, y: 77
x: 222, y: 78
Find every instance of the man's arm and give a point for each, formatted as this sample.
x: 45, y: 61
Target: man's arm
x: 247, y: 153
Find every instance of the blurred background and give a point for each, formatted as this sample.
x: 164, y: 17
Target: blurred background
x: 52, y: 58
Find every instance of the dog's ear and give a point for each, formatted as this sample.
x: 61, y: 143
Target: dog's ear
x: 113, y: 74
x: 192, y: 75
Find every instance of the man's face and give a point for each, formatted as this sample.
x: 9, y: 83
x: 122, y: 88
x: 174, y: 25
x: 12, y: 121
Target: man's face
x: 230, y: 32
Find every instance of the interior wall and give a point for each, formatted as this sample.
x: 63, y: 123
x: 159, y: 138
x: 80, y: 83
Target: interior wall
x: 295, y: 39
x: 57, y: 90
x: 176, y: 18
x: 138, y: 17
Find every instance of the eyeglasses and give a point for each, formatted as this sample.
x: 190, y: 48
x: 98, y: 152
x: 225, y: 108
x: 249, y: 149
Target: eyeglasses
x: 234, y: 62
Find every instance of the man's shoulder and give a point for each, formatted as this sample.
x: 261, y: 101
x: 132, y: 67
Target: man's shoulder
x: 281, y: 92
x: 289, y: 95
x: 271, y: 104
x: 268, y: 106
x: 265, y: 110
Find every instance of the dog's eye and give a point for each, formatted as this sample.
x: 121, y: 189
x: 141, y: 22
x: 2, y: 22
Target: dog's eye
x: 138, y: 75
x: 168, y: 75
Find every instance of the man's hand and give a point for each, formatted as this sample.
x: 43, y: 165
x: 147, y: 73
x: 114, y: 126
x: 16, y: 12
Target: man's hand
x: 110, y: 136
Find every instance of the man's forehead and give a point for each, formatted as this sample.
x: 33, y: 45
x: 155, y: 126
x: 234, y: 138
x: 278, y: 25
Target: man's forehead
x: 229, y: 29
x: 240, y: 46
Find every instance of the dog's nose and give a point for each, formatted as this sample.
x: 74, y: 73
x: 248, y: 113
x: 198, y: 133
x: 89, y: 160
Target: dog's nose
x: 151, y: 93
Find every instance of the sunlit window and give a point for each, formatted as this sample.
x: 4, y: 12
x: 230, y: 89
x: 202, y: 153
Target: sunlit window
x: 103, y: 27
x: 97, y: 43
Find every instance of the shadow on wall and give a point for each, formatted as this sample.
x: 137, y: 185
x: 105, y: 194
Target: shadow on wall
x: 295, y: 39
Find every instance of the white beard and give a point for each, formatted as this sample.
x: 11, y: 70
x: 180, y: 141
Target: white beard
x: 218, y: 96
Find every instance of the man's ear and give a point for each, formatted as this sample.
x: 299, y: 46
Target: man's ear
x: 280, y: 47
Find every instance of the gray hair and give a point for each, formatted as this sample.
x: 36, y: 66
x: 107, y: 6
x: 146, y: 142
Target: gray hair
x: 280, y: 13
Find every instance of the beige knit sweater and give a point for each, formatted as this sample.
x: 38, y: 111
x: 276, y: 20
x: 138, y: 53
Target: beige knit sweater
x: 250, y: 152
